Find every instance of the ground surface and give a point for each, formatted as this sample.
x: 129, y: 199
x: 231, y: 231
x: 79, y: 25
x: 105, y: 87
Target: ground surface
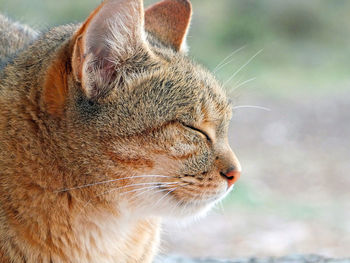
x: 287, y: 259
x: 294, y: 195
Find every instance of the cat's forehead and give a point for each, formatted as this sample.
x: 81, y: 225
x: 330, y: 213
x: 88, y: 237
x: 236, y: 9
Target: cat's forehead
x: 193, y: 73
x: 212, y: 93
x: 209, y: 96
x: 171, y: 87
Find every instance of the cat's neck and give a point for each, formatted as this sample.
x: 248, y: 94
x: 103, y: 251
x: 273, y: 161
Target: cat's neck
x: 68, y: 234
x: 104, y: 237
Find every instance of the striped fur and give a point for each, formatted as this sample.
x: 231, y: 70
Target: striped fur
x: 104, y: 130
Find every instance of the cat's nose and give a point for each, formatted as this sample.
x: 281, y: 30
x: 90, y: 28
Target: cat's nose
x: 227, y: 163
x: 232, y: 174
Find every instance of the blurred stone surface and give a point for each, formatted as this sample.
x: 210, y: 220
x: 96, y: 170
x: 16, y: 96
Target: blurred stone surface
x: 287, y: 259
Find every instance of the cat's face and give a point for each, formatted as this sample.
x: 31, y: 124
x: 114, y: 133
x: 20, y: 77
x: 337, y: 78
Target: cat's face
x: 157, y: 121
x: 179, y: 151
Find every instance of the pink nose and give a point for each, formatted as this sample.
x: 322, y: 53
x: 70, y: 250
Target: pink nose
x: 232, y: 175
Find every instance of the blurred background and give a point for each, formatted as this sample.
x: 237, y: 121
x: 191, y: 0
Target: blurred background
x: 292, y: 57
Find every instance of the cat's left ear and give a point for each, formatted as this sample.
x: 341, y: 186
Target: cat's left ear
x: 169, y: 20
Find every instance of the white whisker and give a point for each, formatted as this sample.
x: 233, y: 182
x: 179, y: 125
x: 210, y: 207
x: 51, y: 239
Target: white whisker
x: 222, y: 63
x: 251, y: 106
x: 159, y: 184
x: 242, y: 84
x: 242, y: 67
x: 153, y: 192
x: 108, y: 181
x: 145, y: 191
x: 161, y: 190
x: 142, y: 188
x: 177, y: 205
x: 138, y: 184
x: 170, y: 191
x: 239, y: 79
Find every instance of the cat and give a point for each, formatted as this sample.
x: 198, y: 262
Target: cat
x: 106, y: 127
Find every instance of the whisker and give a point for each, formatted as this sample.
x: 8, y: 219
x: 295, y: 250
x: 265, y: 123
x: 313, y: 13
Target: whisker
x: 251, y: 106
x: 176, y: 205
x: 126, y: 186
x: 223, y: 64
x: 108, y: 181
x: 242, y: 67
x: 239, y: 79
x: 138, y: 184
x: 170, y: 191
x: 242, y: 84
x: 143, y: 192
x: 142, y: 188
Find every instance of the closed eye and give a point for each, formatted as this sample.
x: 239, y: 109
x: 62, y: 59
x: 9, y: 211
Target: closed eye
x: 203, y: 133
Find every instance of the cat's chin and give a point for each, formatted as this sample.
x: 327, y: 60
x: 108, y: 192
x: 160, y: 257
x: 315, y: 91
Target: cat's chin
x: 189, y: 210
x: 177, y: 206
x: 195, y: 211
x: 187, y: 214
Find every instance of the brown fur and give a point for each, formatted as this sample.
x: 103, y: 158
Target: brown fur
x: 87, y: 128
x: 56, y: 86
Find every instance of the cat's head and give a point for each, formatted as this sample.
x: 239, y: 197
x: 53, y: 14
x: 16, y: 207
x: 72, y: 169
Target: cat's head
x: 148, y: 120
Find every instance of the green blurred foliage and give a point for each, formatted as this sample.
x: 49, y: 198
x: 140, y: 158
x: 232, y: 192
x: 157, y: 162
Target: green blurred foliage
x: 305, y: 44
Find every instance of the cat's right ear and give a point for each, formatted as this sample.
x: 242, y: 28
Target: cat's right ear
x: 169, y: 20
x: 106, y: 42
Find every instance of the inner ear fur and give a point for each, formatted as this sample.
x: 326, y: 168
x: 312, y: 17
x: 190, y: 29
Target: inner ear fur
x: 169, y: 20
x: 111, y: 35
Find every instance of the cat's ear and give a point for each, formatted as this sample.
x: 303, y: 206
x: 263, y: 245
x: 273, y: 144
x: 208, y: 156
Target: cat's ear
x: 106, y: 42
x: 169, y: 20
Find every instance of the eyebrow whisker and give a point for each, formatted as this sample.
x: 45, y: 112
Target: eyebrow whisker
x: 241, y: 84
x: 222, y: 63
x: 242, y: 67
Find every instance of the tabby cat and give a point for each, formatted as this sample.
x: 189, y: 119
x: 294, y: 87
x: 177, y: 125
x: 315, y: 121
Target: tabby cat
x: 105, y: 128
